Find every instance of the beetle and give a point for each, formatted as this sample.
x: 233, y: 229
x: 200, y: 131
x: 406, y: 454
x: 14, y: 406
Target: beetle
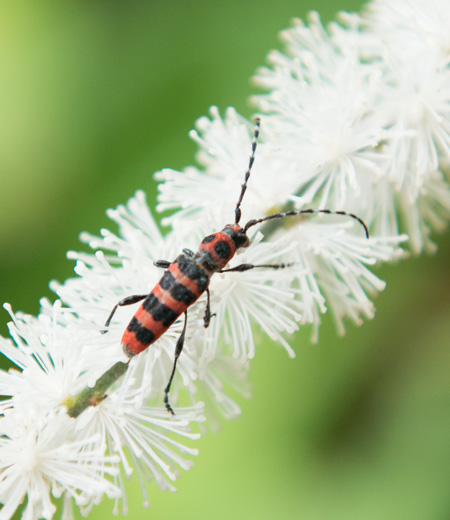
x: 188, y: 277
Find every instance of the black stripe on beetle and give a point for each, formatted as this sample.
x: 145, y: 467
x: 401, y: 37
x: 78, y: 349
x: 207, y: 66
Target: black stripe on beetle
x: 192, y: 270
x: 167, y: 281
x: 178, y: 291
x: 150, y: 302
x: 164, y: 313
x: 223, y: 249
x: 207, y: 261
x: 142, y: 334
x: 182, y: 294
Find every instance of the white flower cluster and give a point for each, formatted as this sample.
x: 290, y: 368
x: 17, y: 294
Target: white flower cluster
x: 42, y: 449
x: 362, y: 114
x: 355, y: 118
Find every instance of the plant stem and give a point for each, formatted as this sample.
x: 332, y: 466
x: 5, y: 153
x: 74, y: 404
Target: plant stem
x: 93, y: 396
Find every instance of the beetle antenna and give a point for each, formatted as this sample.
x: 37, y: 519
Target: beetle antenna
x: 292, y: 213
x: 247, y: 173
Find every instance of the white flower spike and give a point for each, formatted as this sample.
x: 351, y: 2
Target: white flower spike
x: 354, y: 138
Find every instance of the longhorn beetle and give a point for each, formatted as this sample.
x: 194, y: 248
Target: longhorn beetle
x: 188, y: 276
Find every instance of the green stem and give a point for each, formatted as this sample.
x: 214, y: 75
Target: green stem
x: 93, y: 396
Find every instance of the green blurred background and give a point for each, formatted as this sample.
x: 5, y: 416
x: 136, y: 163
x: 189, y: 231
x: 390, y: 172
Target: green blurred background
x: 95, y: 97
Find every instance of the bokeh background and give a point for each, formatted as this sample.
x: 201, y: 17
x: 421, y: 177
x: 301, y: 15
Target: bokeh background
x: 97, y: 95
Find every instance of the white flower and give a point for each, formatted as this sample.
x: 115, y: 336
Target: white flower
x: 326, y: 126
x: 417, y: 105
x: 363, y: 111
x: 337, y: 261
x: 53, y: 359
x: 225, y: 146
x: 355, y: 119
x: 223, y: 152
x: 58, y: 358
x: 423, y: 24
x: 40, y: 453
x: 215, y: 379
x: 144, y: 437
